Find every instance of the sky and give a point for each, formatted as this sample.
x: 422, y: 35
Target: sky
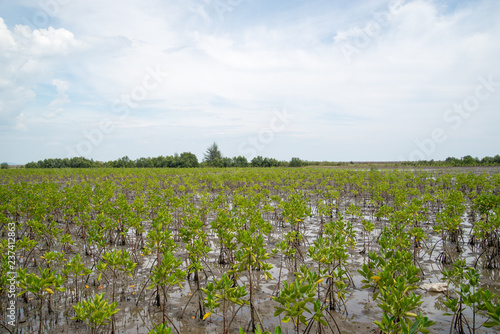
x: 337, y: 80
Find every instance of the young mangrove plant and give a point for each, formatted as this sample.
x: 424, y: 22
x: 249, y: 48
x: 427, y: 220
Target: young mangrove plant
x: 465, y: 281
x: 76, y: 268
x: 115, y: 262
x: 164, y: 276
x: 196, y: 245
x: 486, y: 231
x: 161, y: 329
x: 40, y: 286
x: 95, y: 312
x: 250, y: 259
x: 298, y: 298
x: 449, y: 224
x: 224, y: 292
x: 392, y: 274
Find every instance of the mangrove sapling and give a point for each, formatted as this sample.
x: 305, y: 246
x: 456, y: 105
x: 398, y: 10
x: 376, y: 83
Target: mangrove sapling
x: 27, y: 249
x: 418, y: 235
x: 398, y: 305
x: 490, y: 309
x: 284, y: 250
x: 95, y: 312
x: 412, y: 216
x: 119, y: 212
x: 76, y: 268
x: 259, y: 330
x: 340, y: 235
x: 392, y: 281
x: 54, y: 261
x: 276, y: 202
x: 136, y: 220
x: 95, y: 244
x: 197, y: 251
x: 354, y: 211
x: 166, y: 275
x: 159, y: 239
x: 393, y: 275
x: 465, y: 280
x: 67, y: 242
x: 291, y: 249
x: 296, y: 299
x: 448, y: 223
x: 225, y: 229
x: 339, y: 277
x: 368, y: 227
x: 196, y: 244
x: 251, y: 258
x: 324, y: 255
x: 487, y: 230
x: 115, y: 261
x: 323, y: 210
x: 41, y: 286
x: 161, y: 329
x: 295, y: 210
x: 223, y: 291
x: 384, y: 211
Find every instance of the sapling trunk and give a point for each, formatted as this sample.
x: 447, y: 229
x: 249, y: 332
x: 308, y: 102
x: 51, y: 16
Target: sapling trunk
x: 41, y: 309
x: 164, y: 306
x: 200, y: 299
x: 252, y: 311
x: 158, y: 299
x: 224, y: 315
x: 49, y: 304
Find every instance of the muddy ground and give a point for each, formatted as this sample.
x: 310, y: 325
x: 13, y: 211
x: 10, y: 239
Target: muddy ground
x: 138, y: 312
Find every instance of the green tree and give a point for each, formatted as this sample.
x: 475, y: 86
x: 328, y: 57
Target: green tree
x: 296, y: 162
x: 4, y: 165
x: 188, y: 160
x: 240, y: 161
x: 213, y: 155
x: 258, y: 161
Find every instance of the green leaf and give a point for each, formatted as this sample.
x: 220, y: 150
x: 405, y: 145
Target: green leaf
x: 414, y: 327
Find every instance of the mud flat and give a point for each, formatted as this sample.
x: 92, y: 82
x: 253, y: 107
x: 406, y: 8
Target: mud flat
x: 109, y: 210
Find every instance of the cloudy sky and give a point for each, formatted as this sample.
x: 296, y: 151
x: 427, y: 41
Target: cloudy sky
x: 321, y: 80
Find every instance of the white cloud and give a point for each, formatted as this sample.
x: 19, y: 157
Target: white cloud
x: 7, y: 42
x: 30, y: 59
x: 21, y: 123
x: 52, y: 42
x: 225, y: 75
x: 56, y: 106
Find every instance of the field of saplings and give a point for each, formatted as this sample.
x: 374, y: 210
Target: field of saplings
x: 249, y: 250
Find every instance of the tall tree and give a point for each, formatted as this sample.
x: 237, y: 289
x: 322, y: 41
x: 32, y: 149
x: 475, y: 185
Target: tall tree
x: 213, y: 156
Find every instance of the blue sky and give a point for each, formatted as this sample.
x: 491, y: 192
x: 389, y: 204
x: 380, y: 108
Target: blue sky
x: 320, y: 80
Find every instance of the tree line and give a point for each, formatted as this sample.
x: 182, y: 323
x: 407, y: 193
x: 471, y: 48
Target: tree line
x: 184, y: 160
x: 458, y: 162
x: 213, y: 158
